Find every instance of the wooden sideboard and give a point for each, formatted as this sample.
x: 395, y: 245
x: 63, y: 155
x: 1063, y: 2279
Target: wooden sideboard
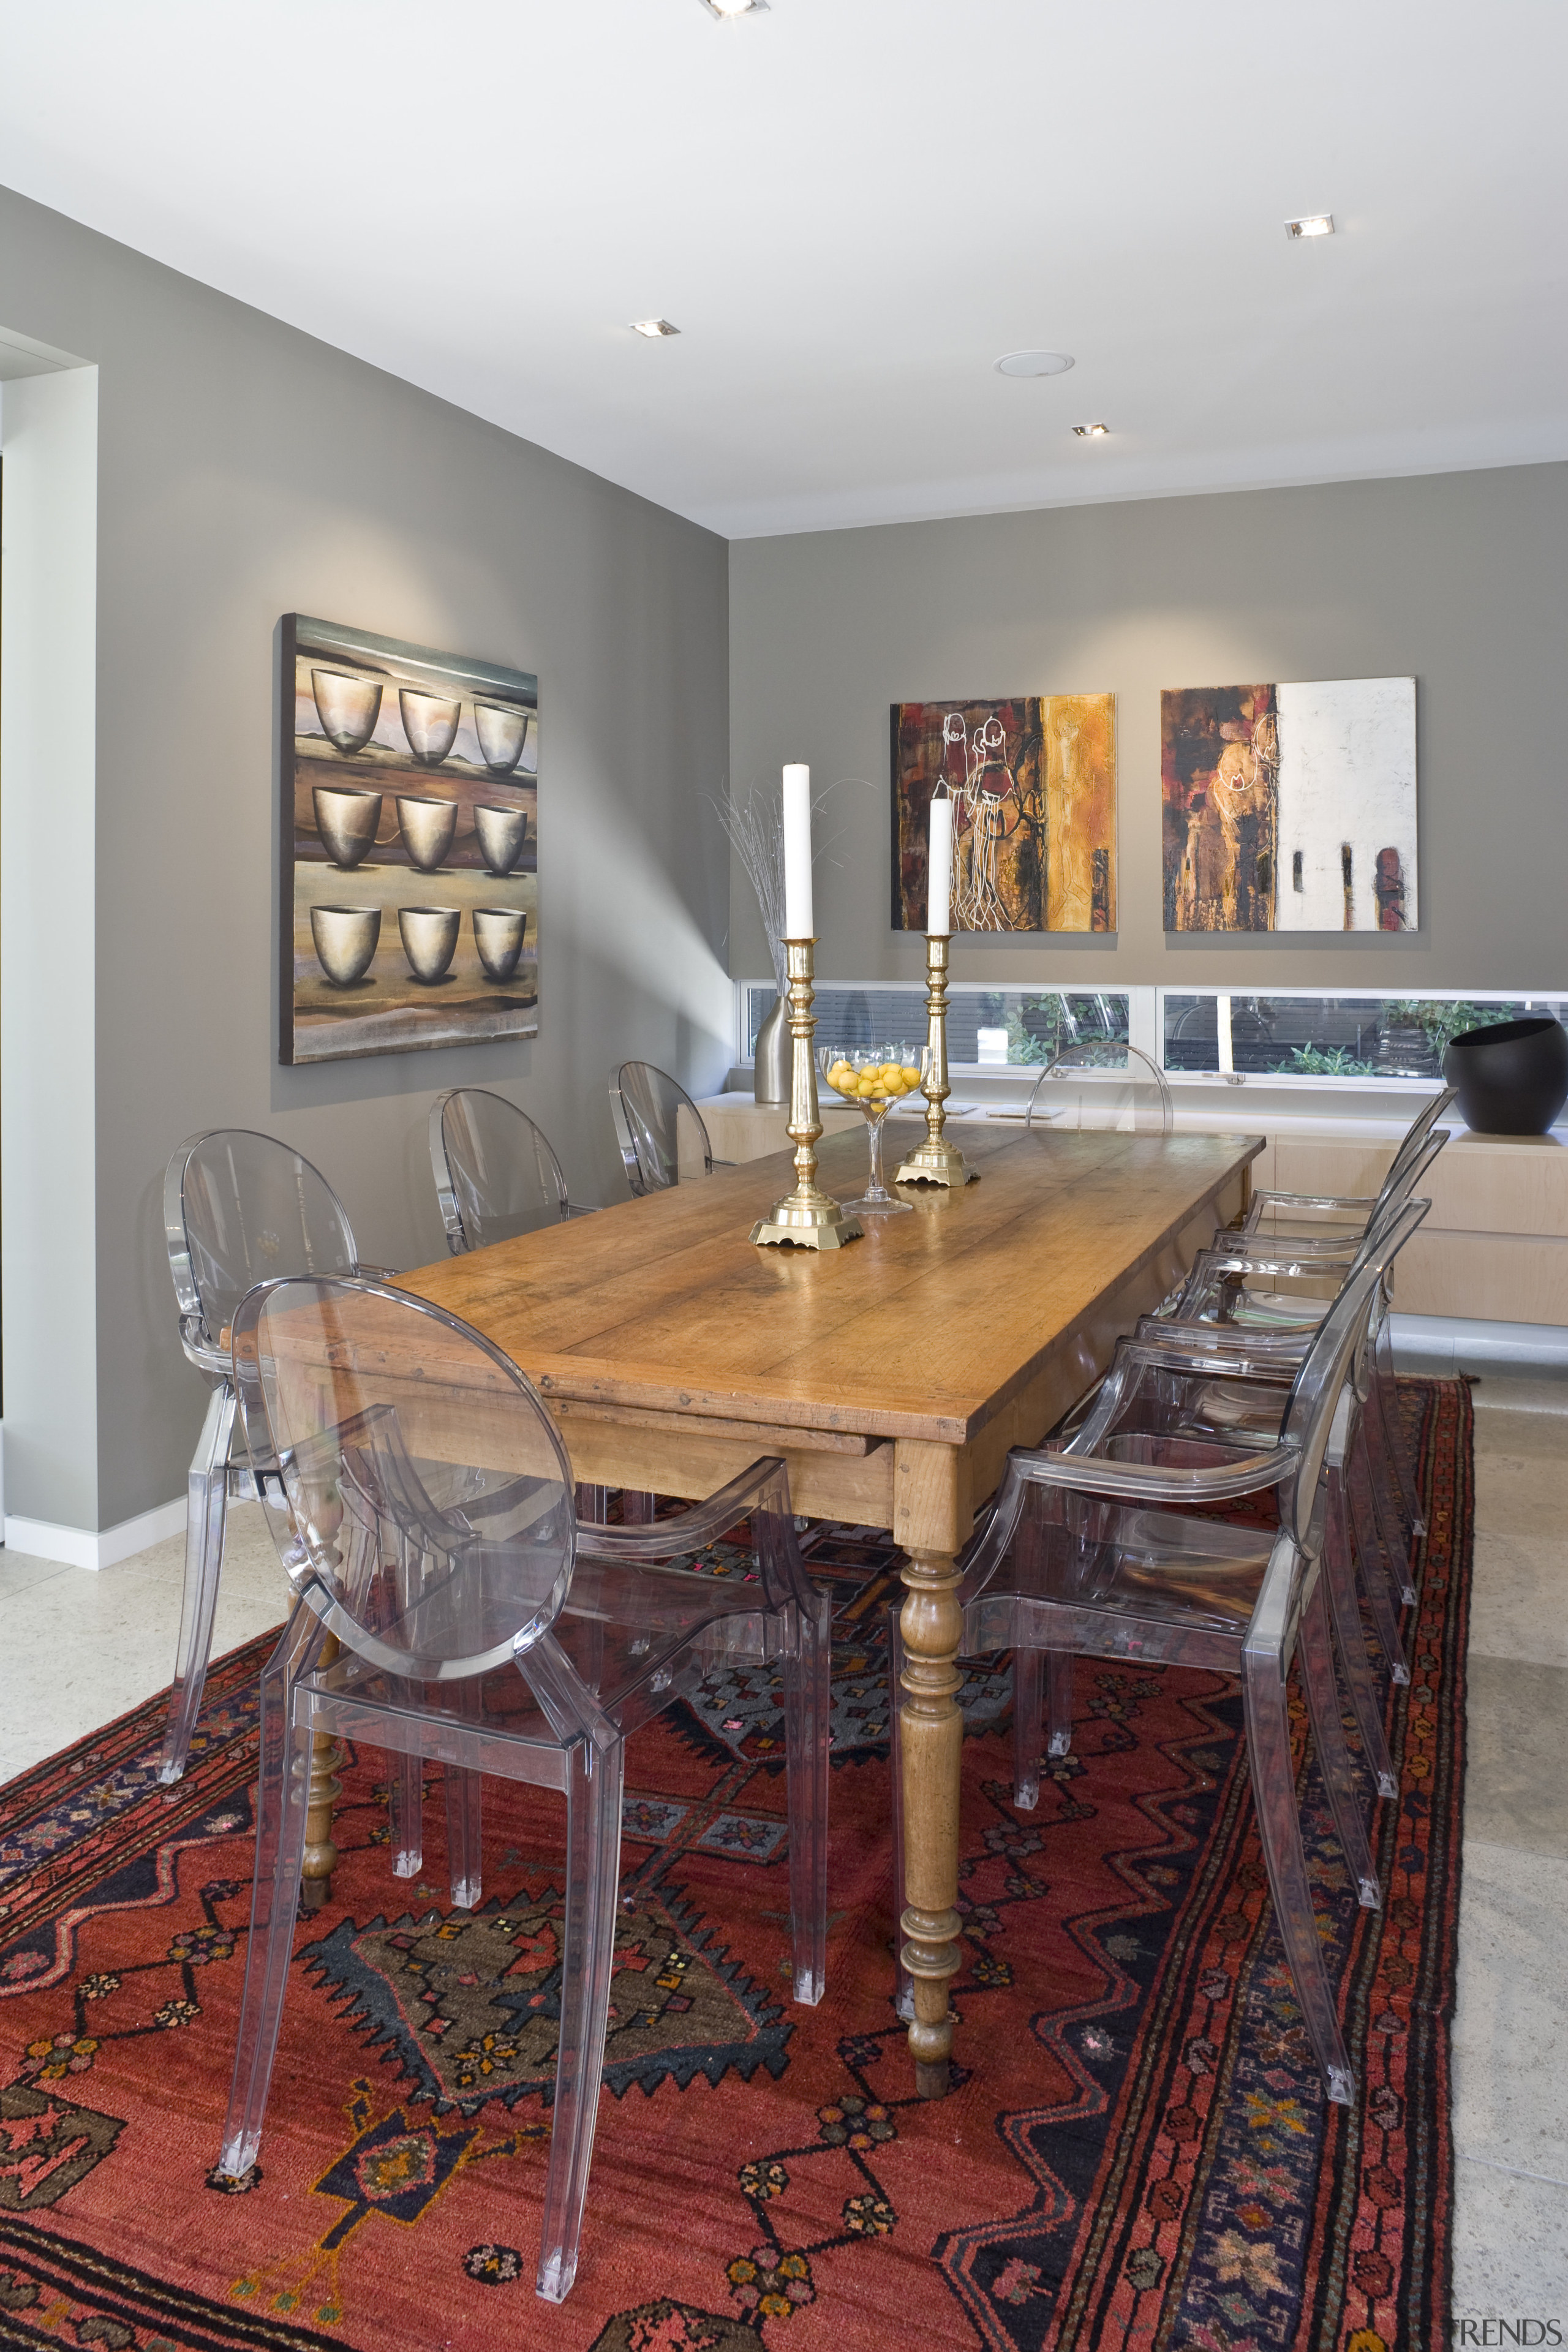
x: 1495, y: 1242
x: 1494, y: 1247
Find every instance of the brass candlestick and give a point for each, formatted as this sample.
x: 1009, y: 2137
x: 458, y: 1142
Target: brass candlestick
x: 937, y: 1161
x: 808, y: 1217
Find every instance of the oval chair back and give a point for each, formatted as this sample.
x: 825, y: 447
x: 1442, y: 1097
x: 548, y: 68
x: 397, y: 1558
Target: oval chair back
x: 654, y: 1117
x: 238, y: 1208
x: 1415, y: 1135
x: 1101, y: 1083
x: 496, y: 1174
x: 429, y: 1497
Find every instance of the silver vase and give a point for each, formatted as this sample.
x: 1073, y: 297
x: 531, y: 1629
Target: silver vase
x: 772, y: 1055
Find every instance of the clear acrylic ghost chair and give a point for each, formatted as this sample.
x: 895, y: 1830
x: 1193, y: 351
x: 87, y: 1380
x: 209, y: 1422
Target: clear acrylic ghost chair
x: 1101, y: 1083
x: 1231, y: 1397
x: 1229, y: 1289
x: 1239, y: 1396
x: 658, y: 1126
x: 1225, y: 1283
x: 448, y: 1606
x: 1382, y: 1498
x: 238, y: 1208
x: 1078, y: 1558
x: 1360, y: 1536
x: 496, y: 1174
x: 1230, y: 1393
x: 1340, y: 1219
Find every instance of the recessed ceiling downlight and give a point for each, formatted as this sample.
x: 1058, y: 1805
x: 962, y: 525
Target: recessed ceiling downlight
x: 653, y: 328
x: 1092, y: 432
x: 734, y: 7
x: 1311, y: 224
x: 1034, y: 363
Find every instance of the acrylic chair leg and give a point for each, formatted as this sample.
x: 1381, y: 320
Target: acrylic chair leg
x: 807, y: 1724
x: 206, y: 1497
x: 1398, y: 1544
x: 1385, y: 1390
x: 1323, y: 1703
x: 465, y: 1836
x: 406, y: 1805
x: 1058, y: 1702
x: 1388, y: 1472
x: 637, y: 1509
x: 592, y: 1504
x: 1345, y: 1602
x: 1028, y: 1675
x: 587, y: 1960
x: 285, y: 1769
x: 1279, y: 1829
x: 1376, y: 1582
x: 903, y: 1983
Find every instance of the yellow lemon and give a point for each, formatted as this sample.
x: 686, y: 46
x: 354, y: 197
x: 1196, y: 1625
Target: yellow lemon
x: 868, y: 1087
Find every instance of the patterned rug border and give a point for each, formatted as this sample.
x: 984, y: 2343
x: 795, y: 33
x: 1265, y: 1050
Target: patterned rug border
x: 113, y: 2303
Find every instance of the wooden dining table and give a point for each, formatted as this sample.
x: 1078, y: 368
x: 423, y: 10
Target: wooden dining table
x: 892, y: 1375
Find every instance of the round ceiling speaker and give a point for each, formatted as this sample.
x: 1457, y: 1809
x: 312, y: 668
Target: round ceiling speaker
x: 1034, y: 363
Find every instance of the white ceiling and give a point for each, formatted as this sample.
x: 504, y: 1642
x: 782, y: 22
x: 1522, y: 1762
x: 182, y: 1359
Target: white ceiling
x: 851, y: 208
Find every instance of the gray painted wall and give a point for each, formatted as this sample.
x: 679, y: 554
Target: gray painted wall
x: 1460, y: 580
x: 49, y: 792
x: 246, y: 470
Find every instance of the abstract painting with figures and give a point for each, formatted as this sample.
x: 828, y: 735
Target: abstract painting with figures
x: 1032, y: 781
x: 409, y: 804
x: 1290, y: 808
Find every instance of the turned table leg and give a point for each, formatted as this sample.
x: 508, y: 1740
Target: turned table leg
x: 930, y: 1727
x: 321, y: 1854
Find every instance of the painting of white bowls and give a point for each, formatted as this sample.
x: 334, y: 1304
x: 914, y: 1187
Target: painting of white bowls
x: 430, y: 723
x: 498, y: 934
x: 429, y: 937
x: 346, y: 941
x: 502, y: 729
x: 349, y: 706
x: 502, y: 835
x: 416, y: 771
x: 346, y: 821
x: 426, y: 827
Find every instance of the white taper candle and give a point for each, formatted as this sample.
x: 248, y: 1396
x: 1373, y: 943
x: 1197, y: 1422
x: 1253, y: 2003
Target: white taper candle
x: 938, y: 868
x: 798, y: 924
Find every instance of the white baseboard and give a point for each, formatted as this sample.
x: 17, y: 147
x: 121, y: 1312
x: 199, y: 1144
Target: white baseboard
x: 81, y: 1547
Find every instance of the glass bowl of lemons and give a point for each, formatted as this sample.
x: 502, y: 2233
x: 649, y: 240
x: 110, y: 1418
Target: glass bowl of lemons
x: 873, y: 1079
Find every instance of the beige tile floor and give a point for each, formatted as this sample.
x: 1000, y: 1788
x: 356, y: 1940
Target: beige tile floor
x: 76, y: 1649
x: 79, y: 1647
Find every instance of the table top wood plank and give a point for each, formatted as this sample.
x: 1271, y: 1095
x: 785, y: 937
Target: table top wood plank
x: 923, y: 1331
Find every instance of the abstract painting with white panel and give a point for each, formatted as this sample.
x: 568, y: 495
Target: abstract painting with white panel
x: 1290, y: 808
x: 1347, y: 805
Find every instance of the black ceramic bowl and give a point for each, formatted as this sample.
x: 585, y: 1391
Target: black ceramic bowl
x: 1512, y: 1076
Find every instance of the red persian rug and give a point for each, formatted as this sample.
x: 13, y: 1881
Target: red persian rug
x: 1136, y: 2153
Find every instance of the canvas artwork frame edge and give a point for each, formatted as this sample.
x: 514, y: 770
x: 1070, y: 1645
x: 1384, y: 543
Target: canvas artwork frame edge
x: 477, y: 673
